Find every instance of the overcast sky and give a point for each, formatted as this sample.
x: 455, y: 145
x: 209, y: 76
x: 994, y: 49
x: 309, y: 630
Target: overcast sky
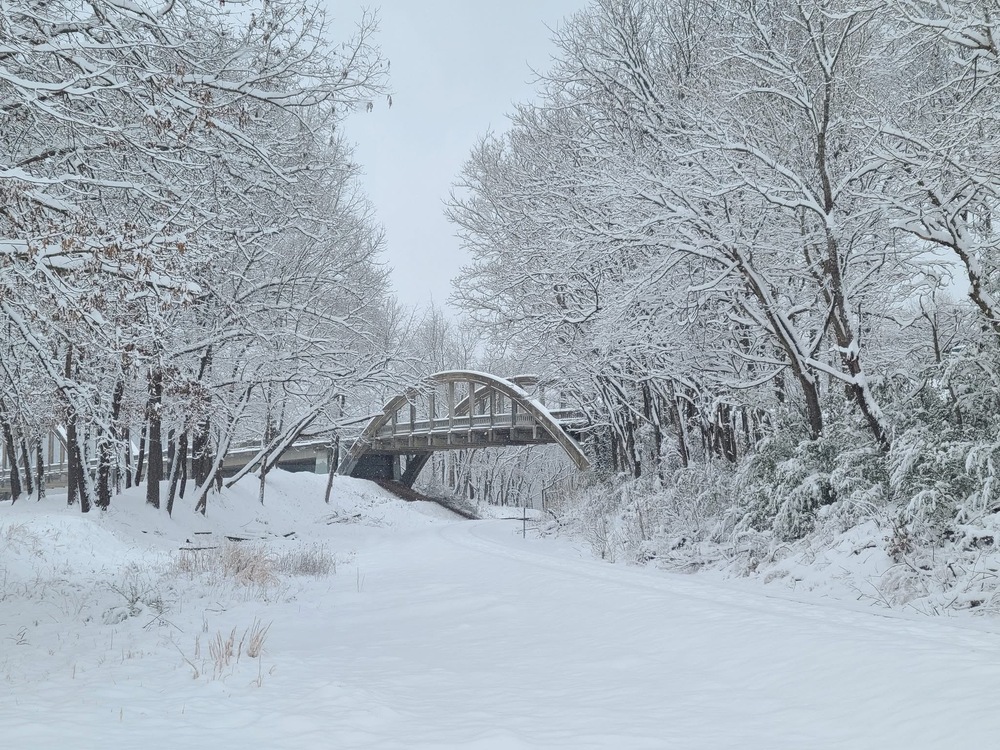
x: 456, y: 68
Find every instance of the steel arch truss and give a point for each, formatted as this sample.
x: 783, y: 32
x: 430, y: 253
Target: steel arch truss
x: 454, y: 410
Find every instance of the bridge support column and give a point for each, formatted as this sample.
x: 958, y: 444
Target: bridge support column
x: 415, y: 462
x: 322, y: 461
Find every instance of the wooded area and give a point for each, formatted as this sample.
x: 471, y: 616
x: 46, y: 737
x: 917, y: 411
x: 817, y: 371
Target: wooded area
x: 185, y: 257
x: 757, y: 240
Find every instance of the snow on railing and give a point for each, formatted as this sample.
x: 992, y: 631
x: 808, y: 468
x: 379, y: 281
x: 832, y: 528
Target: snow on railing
x: 477, y: 421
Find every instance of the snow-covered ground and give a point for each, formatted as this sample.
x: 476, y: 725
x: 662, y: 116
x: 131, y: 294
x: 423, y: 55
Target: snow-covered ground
x: 394, y: 625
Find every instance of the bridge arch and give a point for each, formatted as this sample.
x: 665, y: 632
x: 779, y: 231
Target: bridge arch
x: 480, y: 410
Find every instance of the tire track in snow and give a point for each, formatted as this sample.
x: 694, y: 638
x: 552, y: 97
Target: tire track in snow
x: 484, y: 538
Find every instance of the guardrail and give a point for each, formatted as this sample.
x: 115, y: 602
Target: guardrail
x: 477, y: 421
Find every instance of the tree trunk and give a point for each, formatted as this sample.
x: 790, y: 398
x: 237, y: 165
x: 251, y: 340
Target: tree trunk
x: 215, y: 468
x: 171, y: 454
x: 683, y: 450
x: 154, y: 472
x: 787, y: 339
x: 184, y: 466
x: 103, y: 471
x: 333, y: 455
x: 269, y: 435
x: 331, y: 469
x: 850, y: 349
x: 72, y: 468
x: 29, y: 484
x: 141, y: 458
x: 127, y: 439
x: 177, y: 466
x: 40, y: 469
x: 106, y: 442
x: 72, y: 457
x: 725, y: 433
x: 15, y: 474
x: 77, y: 482
x: 201, y: 455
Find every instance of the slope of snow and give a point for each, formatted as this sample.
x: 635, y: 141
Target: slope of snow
x: 436, y: 633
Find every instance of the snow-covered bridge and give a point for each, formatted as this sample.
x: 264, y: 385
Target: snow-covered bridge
x: 459, y: 409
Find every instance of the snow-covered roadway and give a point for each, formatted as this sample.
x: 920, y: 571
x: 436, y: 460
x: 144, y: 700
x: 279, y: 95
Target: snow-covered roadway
x: 469, y: 636
x: 443, y: 634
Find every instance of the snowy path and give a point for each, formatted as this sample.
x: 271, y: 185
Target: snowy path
x: 441, y: 634
x: 469, y: 636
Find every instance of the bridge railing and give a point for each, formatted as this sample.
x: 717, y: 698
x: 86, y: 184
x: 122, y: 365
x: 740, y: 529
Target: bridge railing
x: 475, y: 421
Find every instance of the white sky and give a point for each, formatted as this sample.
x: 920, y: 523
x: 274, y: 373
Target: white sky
x: 456, y: 68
